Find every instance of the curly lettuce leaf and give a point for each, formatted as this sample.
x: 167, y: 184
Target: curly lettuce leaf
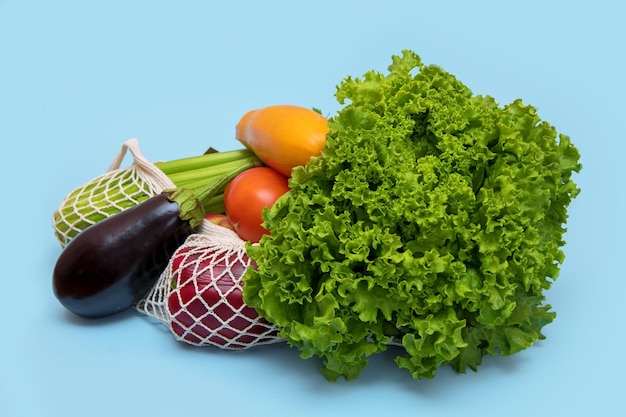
x: 433, y: 218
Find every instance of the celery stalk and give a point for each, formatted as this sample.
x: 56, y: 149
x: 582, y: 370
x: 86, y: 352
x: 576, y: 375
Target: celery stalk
x: 203, y: 161
x: 185, y: 178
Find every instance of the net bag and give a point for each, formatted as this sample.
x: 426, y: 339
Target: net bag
x: 110, y: 193
x: 207, y: 269
x: 199, y: 296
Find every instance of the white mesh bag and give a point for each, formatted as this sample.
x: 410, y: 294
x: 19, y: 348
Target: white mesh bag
x: 214, y: 252
x: 199, y: 296
x: 110, y: 193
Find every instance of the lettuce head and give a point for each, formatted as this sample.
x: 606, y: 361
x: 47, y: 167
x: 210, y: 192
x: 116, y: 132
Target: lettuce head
x: 432, y: 220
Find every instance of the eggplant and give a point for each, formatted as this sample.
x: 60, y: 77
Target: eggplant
x: 108, y: 267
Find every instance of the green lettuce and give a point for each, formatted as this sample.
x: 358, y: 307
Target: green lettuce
x: 433, y: 219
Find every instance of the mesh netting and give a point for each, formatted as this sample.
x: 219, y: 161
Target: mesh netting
x: 200, y: 294
x: 108, y: 194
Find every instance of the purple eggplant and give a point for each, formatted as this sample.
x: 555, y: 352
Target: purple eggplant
x: 110, y: 266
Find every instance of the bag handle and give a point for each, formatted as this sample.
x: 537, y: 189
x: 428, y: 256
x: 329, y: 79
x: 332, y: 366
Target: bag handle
x: 150, y: 173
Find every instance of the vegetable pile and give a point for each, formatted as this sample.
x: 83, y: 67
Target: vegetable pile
x: 420, y: 215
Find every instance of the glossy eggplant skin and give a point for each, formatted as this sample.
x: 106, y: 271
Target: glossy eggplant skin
x: 109, y: 266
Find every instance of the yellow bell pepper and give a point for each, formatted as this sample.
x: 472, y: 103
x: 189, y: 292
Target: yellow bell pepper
x: 283, y: 136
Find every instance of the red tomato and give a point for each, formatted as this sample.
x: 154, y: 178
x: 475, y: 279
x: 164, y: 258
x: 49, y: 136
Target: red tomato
x: 246, y: 196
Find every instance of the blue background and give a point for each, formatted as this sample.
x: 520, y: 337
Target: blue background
x: 78, y: 78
